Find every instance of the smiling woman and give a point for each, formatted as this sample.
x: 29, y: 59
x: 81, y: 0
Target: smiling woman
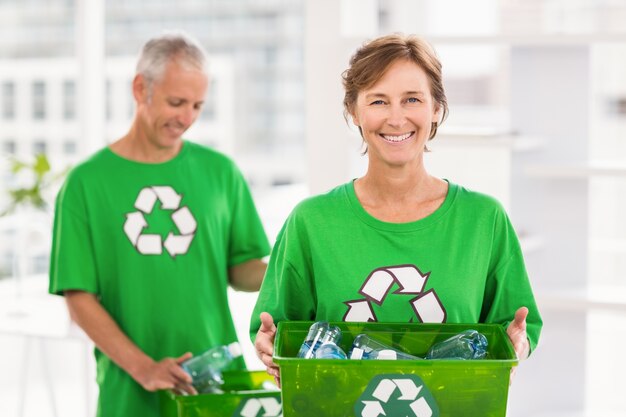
x: 396, y: 115
x: 458, y: 245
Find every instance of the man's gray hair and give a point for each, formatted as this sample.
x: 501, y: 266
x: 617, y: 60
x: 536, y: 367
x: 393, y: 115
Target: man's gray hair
x: 160, y: 50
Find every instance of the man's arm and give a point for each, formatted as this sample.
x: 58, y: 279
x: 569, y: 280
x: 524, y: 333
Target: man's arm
x: 247, y: 276
x: 88, y: 313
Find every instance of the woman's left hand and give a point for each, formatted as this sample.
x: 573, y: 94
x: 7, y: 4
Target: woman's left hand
x: 517, y: 333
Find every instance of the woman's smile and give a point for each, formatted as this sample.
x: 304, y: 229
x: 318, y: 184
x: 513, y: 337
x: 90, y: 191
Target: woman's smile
x: 397, y: 138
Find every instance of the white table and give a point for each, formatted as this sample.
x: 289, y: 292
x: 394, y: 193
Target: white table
x: 36, y: 316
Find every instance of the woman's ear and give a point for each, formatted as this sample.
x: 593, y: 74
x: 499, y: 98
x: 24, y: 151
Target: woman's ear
x: 355, y: 119
x: 437, y: 110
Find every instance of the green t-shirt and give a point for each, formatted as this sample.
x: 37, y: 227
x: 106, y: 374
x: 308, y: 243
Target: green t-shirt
x: 333, y: 261
x: 154, y: 242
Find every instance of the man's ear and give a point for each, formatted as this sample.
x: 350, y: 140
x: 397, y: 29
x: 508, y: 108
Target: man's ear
x: 140, y: 88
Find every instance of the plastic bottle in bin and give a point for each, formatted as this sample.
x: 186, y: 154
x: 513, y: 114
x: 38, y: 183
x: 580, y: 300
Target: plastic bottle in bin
x: 329, y: 345
x: 364, y: 347
x: 469, y: 344
x: 206, y: 369
x: 313, y: 339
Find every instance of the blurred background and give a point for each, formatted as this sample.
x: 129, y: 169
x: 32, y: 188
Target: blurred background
x: 537, y: 94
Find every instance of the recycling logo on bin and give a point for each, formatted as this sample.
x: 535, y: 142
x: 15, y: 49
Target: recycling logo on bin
x: 256, y: 407
x: 153, y: 244
x: 396, y: 395
x: 410, y: 280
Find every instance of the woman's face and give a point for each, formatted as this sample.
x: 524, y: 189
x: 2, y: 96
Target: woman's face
x: 396, y: 115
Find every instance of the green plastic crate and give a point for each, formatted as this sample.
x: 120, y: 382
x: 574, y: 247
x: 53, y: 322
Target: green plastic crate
x: 423, y: 388
x: 244, y: 396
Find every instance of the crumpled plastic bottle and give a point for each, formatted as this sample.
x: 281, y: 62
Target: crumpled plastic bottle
x: 329, y: 347
x: 364, y: 347
x: 313, y: 340
x: 206, y: 369
x: 469, y: 344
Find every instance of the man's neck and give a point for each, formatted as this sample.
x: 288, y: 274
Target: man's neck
x: 134, y: 147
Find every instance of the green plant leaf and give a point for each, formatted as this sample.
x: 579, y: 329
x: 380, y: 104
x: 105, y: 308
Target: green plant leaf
x: 41, y: 166
x: 17, y: 165
x: 32, y: 195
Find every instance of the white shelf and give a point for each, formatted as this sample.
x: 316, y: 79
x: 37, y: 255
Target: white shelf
x: 603, y: 413
x: 555, y: 39
x: 594, y: 298
x: 608, y: 245
x: 481, y: 136
x: 531, y: 244
x: 562, y: 171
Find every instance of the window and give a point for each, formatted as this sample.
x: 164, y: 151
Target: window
x: 39, y: 100
x: 69, y: 100
x: 69, y: 147
x: 39, y: 146
x: 9, y: 147
x: 131, y: 101
x: 6, y: 263
x: 40, y: 264
x: 107, y: 93
x: 208, y: 109
x: 8, y: 100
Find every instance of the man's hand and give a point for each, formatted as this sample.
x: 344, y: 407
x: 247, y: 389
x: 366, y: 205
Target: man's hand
x: 86, y: 310
x: 166, y: 374
x: 264, y: 345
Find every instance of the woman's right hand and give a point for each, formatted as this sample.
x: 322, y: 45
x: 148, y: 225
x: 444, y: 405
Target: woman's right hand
x: 264, y: 345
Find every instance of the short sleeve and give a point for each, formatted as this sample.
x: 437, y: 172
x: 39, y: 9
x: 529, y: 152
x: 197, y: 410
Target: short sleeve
x: 248, y: 239
x: 287, y: 292
x: 508, y: 287
x: 72, y: 263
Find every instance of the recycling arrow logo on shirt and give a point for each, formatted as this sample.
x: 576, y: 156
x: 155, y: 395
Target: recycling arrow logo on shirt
x: 410, y: 280
x: 396, y: 395
x: 255, y: 407
x: 153, y: 244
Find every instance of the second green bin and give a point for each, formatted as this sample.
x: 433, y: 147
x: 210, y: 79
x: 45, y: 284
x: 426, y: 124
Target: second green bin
x: 244, y: 396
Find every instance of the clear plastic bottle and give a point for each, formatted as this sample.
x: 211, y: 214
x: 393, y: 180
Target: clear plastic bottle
x: 329, y: 346
x: 364, y: 347
x: 469, y: 344
x: 206, y: 369
x: 313, y: 340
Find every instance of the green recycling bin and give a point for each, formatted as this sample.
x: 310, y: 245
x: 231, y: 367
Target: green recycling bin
x: 420, y: 388
x: 244, y: 395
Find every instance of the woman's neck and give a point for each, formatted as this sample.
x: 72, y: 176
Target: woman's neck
x: 401, y: 195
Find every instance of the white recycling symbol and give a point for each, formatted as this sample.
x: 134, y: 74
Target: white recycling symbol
x: 411, y: 280
x: 271, y: 407
x: 153, y: 244
x: 412, y: 394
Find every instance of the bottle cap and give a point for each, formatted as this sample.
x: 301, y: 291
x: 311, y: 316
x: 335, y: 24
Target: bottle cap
x: 387, y: 354
x: 235, y: 349
x: 357, y: 353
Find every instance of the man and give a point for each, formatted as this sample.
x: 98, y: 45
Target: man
x: 148, y: 234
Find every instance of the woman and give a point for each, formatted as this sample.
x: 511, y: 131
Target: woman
x: 397, y: 244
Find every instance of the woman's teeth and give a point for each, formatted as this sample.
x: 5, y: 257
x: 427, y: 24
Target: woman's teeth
x: 400, y: 138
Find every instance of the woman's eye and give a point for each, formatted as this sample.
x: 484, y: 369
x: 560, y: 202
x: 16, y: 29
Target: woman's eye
x: 377, y: 102
x: 412, y: 100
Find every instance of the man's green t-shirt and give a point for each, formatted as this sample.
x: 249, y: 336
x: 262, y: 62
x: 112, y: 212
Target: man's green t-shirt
x: 462, y: 264
x: 154, y: 242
